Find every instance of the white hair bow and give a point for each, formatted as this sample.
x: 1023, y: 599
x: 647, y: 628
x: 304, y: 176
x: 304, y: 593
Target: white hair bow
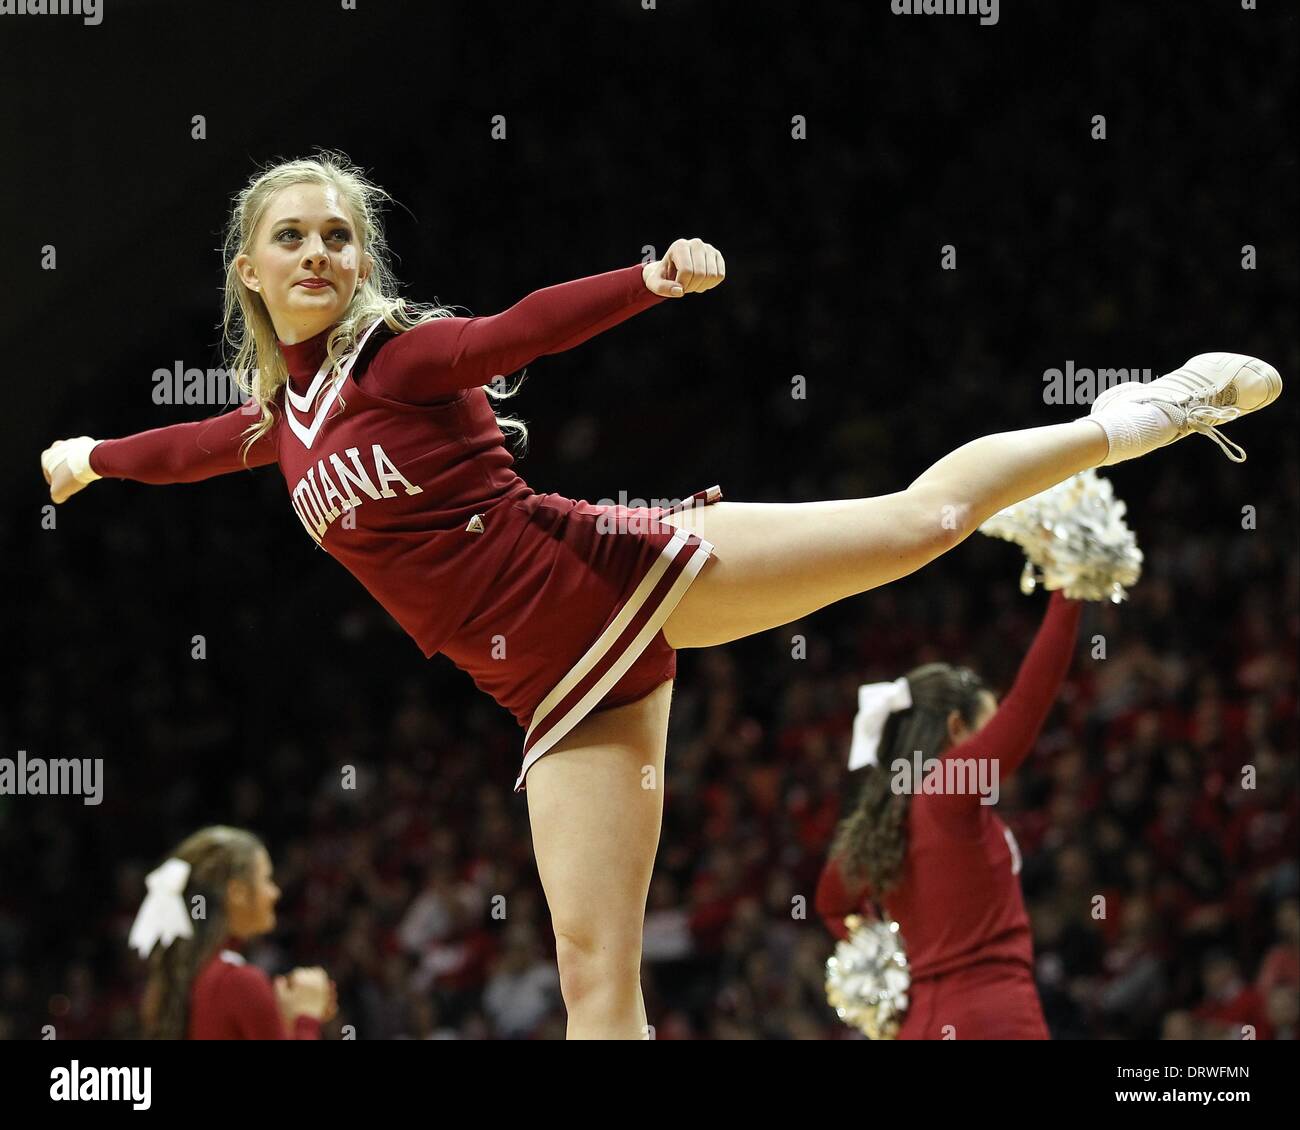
x: 163, y: 915
x: 876, y: 702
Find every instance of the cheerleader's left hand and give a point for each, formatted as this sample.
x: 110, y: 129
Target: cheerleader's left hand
x: 689, y: 266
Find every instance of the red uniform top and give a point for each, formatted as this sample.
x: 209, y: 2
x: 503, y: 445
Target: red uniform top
x: 399, y: 470
x: 231, y: 1000
x: 958, y: 900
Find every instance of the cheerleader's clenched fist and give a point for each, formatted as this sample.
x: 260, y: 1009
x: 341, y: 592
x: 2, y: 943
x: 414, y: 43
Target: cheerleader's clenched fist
x: 66, y: 466
x: 306, y: 992
x: 689, y: 266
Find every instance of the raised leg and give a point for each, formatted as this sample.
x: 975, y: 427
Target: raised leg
x: 778, y: 562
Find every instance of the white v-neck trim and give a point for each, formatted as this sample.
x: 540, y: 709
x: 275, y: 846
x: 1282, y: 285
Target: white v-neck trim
x: 307, y: 433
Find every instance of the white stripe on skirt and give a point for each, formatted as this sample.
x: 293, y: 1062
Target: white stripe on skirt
x: 631, y: 651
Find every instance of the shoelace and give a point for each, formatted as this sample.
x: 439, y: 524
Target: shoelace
x: 1203, y: 418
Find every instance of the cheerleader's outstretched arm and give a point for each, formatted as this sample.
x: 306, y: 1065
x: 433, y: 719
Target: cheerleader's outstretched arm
x: 1012, y: 732
x: 440, y: 357
x: 177, y: 453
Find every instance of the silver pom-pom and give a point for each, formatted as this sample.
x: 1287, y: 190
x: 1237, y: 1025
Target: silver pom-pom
x: 1075, y: 539
x: 867, y: 978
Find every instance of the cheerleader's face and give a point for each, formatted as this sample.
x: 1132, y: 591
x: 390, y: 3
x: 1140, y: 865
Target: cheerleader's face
x: 250, y: 902
x: 306, y: 235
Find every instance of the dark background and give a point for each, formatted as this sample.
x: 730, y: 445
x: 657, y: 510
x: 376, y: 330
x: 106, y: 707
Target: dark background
x: 629, y: 128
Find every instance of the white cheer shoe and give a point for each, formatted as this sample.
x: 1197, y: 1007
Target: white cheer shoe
x: 1210, y: 389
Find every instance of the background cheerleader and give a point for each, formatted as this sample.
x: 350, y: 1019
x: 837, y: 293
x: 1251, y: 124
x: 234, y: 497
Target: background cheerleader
x: 944, y: 865
x: 200, y: 987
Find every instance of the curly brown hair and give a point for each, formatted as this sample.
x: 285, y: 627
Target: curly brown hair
x: 871, y: 841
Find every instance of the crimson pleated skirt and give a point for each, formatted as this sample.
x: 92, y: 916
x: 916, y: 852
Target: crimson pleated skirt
x: 573, y: 624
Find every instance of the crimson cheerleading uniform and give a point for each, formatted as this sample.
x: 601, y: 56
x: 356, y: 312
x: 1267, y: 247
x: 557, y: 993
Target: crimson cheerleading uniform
x: 958, y: 903
x: 232, y: 1000
x: 397, y: 468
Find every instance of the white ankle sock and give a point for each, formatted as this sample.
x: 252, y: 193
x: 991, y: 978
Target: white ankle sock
x: 1133, y: 429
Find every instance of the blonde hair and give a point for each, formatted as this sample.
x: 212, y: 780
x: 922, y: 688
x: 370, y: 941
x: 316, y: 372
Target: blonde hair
x: 248, y: 332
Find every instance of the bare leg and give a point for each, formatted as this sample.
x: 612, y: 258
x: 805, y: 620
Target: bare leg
x: 990, y: 473
x: 595, y: 803
x: 778, y: 562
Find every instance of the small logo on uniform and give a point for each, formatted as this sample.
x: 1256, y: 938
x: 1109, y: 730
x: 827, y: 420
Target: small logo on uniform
x: 475, y: 525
